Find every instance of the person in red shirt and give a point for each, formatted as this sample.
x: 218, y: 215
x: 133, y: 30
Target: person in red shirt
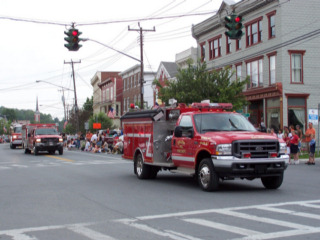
x: 294, y: 147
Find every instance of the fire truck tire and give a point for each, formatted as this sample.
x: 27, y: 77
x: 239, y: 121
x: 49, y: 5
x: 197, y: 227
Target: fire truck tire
x: 12, y: 146
x: 207, y: 177
x: 153, y: 172
x: 35, y: 151
x: 141, y: 170
x: 61, y: 151
x: 272, y: 182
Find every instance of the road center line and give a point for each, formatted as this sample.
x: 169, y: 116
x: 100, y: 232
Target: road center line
x: 60, y: 158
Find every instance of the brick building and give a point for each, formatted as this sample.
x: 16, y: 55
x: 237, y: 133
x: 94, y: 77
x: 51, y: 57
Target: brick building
x: 279, y: 52
x: 107, y: 94
x: 132, y: 89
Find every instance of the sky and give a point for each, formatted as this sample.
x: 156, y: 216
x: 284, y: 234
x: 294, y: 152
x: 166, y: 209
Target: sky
x: 32, y: 44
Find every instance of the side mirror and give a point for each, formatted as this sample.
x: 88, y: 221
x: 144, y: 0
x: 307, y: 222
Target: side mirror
x: 178, y: 131
x: 191, y: 133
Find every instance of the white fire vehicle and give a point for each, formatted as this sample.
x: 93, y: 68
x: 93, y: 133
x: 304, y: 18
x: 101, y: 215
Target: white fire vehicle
x: 205, y: 141
x: 15, y: 135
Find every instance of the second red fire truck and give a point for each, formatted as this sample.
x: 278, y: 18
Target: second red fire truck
x: 205, y: 141
x: 41, y: 137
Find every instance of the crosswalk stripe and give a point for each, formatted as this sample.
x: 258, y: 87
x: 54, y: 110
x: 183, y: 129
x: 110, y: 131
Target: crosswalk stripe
x: 89, y: 233
x: 290, y: 212
x: 220, y: 226
x: 262, y: 219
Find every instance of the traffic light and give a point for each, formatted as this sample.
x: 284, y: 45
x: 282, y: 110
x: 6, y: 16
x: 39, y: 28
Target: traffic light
x: 73, y: 39
x: 234, y: 25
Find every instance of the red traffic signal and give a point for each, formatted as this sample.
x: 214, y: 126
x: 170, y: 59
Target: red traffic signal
x: 75, y: 33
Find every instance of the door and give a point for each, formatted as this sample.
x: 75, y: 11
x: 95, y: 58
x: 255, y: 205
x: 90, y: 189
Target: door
x: 183, y: 147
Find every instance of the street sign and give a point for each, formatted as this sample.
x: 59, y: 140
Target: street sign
x: 313, y: 116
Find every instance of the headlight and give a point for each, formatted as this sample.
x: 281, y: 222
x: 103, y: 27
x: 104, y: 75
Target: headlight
x: 60, y: 140
x: 283, y: 148
x: 38, y: 140
x: 223, y: 149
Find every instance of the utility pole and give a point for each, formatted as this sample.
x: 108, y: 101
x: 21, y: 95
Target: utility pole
x: 75, y: 94
x: 140, y: 30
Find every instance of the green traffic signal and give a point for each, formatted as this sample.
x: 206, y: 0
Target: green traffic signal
x: 73, y: 39
x: 234, y: 25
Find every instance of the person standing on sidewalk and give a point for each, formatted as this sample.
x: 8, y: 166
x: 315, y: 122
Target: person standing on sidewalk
x: 312, y: 152
x: 294, y: 147
x: 310, y: 131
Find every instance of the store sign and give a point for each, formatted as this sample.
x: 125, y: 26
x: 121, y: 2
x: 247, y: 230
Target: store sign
x: 313, y: 116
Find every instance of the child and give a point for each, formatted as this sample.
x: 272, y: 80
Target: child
x: 287, y: 140
x: 312, y: 148
x: 294, y: 141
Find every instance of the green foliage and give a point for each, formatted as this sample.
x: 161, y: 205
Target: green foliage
x: 102, y: 118
x: 195, y: 84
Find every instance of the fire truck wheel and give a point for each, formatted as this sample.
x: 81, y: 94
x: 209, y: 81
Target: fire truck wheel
x: 12, y: 146
x: 153, y: 172
x: 141, y: 170
x: 272, y: 182
x: 207, y: 177
x: 35, y: 151
x: 61, y: 151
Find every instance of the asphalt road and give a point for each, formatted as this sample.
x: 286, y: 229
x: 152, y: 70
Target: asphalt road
x: 81, y: 196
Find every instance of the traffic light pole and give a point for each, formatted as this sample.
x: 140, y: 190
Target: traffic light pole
x: 75, y: 94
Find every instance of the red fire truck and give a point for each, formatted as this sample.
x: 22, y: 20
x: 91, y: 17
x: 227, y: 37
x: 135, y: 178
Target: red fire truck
x: 41, y: 137
x: 203, y: 140
x: 15, y: 135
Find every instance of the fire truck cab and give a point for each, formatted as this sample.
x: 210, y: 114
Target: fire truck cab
x: 41, y: 137
x: 203, y: 140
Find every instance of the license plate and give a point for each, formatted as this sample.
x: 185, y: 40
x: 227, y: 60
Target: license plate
x: 260, y: 168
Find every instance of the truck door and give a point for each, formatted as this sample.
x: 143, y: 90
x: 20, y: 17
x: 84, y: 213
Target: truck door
x: 183, y: 147
x: 30, y: 138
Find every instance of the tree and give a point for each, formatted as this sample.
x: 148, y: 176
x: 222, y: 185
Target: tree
x: 195, y: 84
x: 102, y: 118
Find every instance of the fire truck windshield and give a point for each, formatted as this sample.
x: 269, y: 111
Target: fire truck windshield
x: 209, y: 122
x: 46, y: 131
x: 17, y: 129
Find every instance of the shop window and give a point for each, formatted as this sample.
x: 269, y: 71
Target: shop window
x: 297, y: 111
x: 273, y: 114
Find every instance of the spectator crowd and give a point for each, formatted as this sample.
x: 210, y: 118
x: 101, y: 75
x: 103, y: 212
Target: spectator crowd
x: 102, y: 141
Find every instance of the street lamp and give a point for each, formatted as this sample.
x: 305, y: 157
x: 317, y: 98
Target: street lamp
x: 38, y: 81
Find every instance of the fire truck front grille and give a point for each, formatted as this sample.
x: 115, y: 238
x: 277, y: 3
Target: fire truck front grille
x: 257, y: 148
x: 47, y: 140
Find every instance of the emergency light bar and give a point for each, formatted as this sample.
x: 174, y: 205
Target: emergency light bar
x: 212, y: 105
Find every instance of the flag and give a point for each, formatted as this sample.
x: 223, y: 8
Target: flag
x: 4, y: 129
x: 156, y: 105
x: 65, y: 124
x: 111, y: 113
